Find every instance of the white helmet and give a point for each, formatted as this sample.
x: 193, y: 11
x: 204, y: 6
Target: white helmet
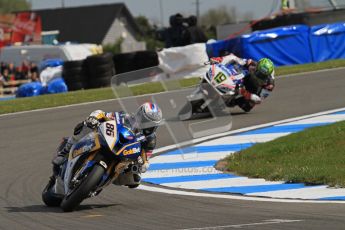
x: 148, y: 117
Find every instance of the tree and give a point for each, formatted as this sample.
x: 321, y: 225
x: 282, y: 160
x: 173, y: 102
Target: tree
x: 218, y: 16
x: 148, y: 34
x: 9, y: 6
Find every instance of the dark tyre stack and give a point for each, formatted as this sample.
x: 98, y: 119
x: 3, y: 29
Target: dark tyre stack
x: 100, y: 69
x: 74, y: 75
x: 127, y: 62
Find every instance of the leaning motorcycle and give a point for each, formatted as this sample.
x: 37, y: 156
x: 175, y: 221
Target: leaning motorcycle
x: 218, y: 89
x: 104, y: 156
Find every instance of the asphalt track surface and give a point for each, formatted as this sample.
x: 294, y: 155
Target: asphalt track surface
x: 28, y: 140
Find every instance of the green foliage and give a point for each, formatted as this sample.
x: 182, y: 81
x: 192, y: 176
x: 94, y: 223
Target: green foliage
x: 114, y: 48
x: 8, y: 6
x: 148, y: 34
x: 218, y: 16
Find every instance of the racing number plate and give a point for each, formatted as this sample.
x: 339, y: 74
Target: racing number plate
x: 220, y: 77
x: 110, y: 133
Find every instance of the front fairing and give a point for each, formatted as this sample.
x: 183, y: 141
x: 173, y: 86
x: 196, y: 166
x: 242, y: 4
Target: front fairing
x: 89, y: 143
x: 223, y: 79
x: 128, y: 145
x: 120, y: 140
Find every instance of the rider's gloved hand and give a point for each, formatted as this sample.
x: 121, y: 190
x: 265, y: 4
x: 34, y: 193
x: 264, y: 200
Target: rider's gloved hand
x: 269, y: 87
x: 92, y: 122
x: 250, y: 96
x: 255, y: 98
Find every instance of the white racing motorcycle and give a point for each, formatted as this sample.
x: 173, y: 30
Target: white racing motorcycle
x: 218, y: 89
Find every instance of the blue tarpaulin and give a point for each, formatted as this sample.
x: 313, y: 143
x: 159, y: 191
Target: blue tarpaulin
x: 29, y: 89
x: 328, y: 41
x: 50, y: 63
x: 283, y: 45
x: 56, y: 85
x: 223, y: 47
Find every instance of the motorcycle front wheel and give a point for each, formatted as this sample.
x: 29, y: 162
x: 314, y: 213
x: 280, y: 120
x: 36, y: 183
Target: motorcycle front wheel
x: 83, y: 190
x: 49, y: 197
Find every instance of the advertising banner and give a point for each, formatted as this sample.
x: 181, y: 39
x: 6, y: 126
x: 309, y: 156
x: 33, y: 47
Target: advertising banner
x: 21, y: 27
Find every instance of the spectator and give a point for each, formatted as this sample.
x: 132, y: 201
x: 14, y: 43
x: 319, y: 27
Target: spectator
x: 195, y: 33
x: 19, y: 74
x: 6, y: 75
x: 2, y: 67
x: 2, y: 81
x: 176, y: 33
x: 26, y: 68
x: 11, y: 69
x: 33, y: 72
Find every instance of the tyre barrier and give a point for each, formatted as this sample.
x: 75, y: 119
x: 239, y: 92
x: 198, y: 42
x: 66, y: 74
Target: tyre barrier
x: 74, y: 75
x: 127, y: 62
x: 99, y: 69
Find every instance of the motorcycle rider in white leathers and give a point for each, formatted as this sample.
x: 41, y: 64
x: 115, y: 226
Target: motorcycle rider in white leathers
x: 145, y: 122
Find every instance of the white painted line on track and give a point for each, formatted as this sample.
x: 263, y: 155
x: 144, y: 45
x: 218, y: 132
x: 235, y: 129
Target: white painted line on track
x: 189, y: 157
x: 234, y: 197
x: 321, y: 119
x: 180, y: 172
x: 265, y: 222
x: 245, y: 139
x: 230, y: 182
x: 312, y: 192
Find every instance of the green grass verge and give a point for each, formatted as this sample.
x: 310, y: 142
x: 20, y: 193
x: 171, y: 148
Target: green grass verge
x: 47, y: 101
x: 80, y: 96
x: 314, y: 156
x: 310, y: 67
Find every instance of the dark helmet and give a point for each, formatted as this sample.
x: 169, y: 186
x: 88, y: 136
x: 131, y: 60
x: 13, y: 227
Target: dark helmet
x: 264, y: 69
x: 148, y: 117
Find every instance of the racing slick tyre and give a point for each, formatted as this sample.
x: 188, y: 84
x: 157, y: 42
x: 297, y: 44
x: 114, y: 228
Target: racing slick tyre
x: 72, y: 86
x: 100, y: 81
x: 107, y: 69
x: 83, y: 190
x: 48, y: 197
x: 99, y: 59
x: 73, y: 64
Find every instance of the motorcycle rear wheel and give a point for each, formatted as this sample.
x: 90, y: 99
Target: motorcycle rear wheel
x: 69, y: 203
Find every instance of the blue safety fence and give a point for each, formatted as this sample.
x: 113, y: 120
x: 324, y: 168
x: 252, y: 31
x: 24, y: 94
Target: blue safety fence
x: 290, y: 45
